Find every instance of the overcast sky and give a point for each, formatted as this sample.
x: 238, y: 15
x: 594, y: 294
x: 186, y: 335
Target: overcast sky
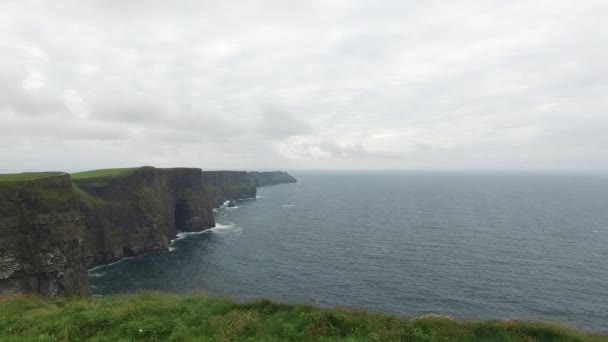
x: 304, y: 84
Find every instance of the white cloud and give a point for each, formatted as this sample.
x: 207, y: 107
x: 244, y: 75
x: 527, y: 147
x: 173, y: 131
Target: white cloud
x: 340, y: 84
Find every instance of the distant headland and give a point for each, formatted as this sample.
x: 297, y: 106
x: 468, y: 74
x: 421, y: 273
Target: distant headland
x: 55, y: 225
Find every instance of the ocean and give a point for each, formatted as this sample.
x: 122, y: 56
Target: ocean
x: 472, y: 245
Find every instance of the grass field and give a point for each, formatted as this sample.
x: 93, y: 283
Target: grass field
x: 18, y: 177
x: 103, y: 173
x: 163, y: 317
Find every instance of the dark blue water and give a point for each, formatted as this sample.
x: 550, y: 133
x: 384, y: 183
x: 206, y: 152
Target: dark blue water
x: 476, y: 245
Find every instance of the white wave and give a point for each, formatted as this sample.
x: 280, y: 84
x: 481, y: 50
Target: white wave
x: 112, y: 263
x: 96, y: 275
x: 219, y: 226
x: 259, y: 196
x: 182, y: 235
x: 223, y: 229
x: 95, y: 268
x: 288, y: 205
x: 98, y: 267
x: 226, y: 206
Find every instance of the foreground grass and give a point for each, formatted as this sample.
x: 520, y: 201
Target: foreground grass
x: 18, y: 177
x: 163, y: 317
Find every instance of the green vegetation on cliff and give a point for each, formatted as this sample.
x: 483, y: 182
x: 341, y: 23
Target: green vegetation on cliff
x: 101, y: 178
x: 86, y: 197
x: 104, y: 173
x: 41, y: 234
x: 163, y: 317
x: 54, y: 225
x: 25, y: 176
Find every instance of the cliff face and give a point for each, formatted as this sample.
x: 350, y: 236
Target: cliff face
x: 53, y: 228
x: 126, y: 215
x: 142, y: 211
x: 41, y: 238
x: 221, y: 186
x: 270, y: 178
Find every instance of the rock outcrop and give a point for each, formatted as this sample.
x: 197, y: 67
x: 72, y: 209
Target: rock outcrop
x: 41, y: 238
x: 223, y: 186
x: 141, y: 211
x: 53, y: 228
x: 270, y: 178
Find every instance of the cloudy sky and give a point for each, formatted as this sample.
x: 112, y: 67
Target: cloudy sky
x: 471, y: 84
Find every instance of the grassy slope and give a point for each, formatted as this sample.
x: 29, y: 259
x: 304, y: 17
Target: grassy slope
x: 17, y: 177
x: 163, y: 317
x: 100, y: 178
x: 103, y: 173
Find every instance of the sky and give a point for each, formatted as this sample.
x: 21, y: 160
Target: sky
x: 344, y: 84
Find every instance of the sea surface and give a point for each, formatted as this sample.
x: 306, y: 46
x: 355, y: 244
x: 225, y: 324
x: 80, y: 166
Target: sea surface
x: 470, y: 245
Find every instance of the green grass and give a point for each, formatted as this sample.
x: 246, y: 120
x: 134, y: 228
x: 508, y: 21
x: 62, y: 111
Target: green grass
x: 163, y: 317
x: 86, y: 197
x: 100, y: 178
x: 103, y: 173
x: 25, y: 176
x: 86, y: 175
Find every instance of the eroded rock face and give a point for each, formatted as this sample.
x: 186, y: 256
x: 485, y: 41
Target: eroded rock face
x: 41, y: 238
x: 143, y: 211
x: 52, y: 229
x: 221, y: 186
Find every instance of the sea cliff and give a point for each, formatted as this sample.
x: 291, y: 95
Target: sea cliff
x: 42, y: 238
x: 270, y: 178
x: 54, y: 226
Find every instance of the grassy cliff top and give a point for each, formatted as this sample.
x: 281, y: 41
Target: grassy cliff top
x: 26, y: 176
x: 163, y: 317
x: 104, y: 173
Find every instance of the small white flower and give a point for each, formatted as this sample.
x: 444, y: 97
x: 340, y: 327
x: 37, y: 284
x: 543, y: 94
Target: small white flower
x: 140, y: 331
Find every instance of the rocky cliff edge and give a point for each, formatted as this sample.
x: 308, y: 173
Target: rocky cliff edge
x: 53, y: 228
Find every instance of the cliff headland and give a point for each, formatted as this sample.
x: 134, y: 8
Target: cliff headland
x: 54, y: 225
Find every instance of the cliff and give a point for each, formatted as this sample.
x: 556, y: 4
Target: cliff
x: 41, y: 238
x: 53, y: 226
x: 270, y: 178
x: 222, y: 186
x: 139, y: 211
